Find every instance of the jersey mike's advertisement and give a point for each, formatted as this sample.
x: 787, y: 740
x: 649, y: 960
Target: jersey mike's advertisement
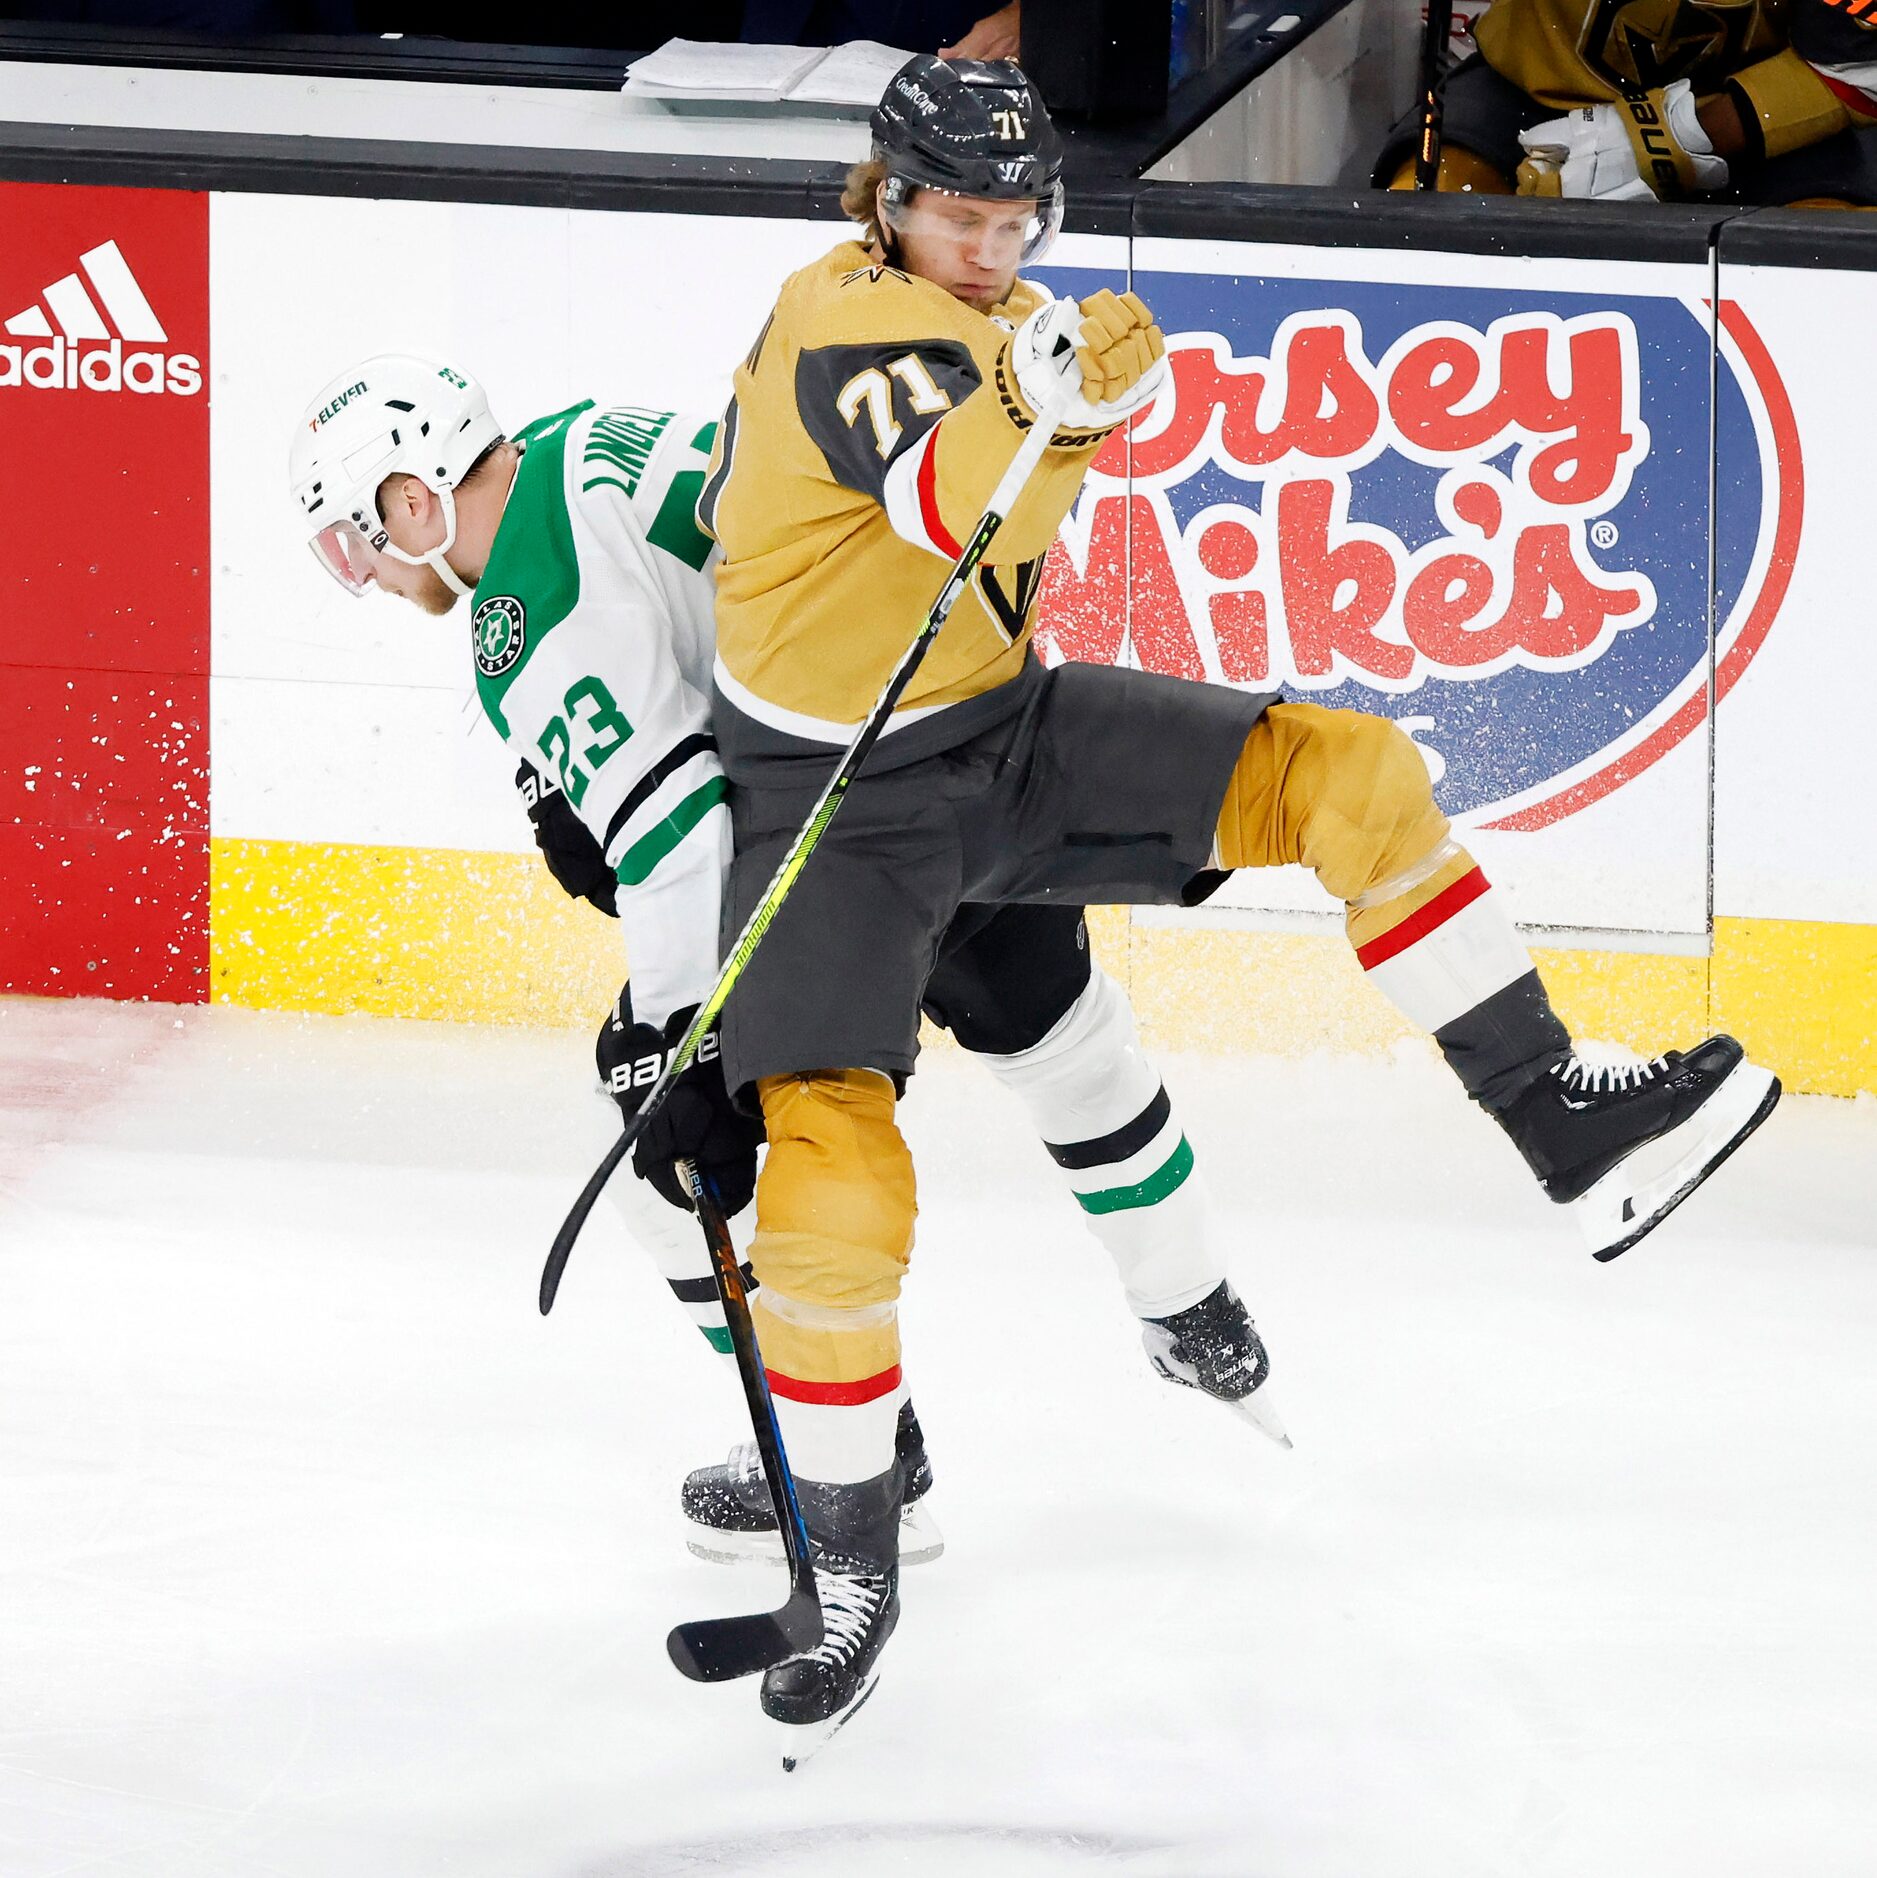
x: 104, y: 341
x: 1481, y: 509
x: 1445, y: 505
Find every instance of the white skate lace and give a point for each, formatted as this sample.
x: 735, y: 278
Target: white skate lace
x: 1608, y: 1078
x: 746, y: 1461
x: 848, y: 1605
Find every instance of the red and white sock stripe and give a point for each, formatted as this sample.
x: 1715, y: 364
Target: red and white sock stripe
x: 838, y: 1431
x: 1447, y: 956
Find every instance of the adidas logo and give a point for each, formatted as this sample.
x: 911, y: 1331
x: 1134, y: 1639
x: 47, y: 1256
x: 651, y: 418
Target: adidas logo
x: 79, y: 349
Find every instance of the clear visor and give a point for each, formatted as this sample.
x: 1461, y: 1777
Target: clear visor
x: 994, y: 236
x: 347, y: 556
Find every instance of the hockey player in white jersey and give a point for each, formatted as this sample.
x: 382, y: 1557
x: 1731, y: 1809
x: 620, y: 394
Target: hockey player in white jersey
x: 592, y: 637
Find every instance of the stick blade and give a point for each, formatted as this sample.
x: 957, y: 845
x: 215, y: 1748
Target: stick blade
x: 563, y: 1247
x: 720, y: 1649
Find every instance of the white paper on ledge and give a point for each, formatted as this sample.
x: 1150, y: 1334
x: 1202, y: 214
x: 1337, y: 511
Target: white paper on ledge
x: 692, y: 68
x: 856, y: 73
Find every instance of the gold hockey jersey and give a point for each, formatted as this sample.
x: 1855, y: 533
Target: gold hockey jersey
x: 1801, y: 69
x: 870, y: 423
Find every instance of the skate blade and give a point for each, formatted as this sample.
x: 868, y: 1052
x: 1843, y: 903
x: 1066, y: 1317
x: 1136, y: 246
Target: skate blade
x: 733, y: 1548
x: 1637, y: 1194
x: 1258, y: 1409
x: 920, y: 1541
x: 802, y: 1741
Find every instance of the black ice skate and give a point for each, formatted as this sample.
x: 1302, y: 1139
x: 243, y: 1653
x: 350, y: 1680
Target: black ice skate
x: 812, y: 1696
x: 1624, y: 1145
x: 729, y: 1519
x: 1214, y: 1347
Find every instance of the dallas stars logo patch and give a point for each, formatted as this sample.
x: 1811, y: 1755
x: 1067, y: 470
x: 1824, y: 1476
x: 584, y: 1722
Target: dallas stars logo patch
x: 500, y: 630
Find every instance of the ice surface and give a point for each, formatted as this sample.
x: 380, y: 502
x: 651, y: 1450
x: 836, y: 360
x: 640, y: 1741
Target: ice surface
x: 322, y: 1555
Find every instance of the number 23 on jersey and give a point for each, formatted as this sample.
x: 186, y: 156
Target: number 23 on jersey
x: 592, y: 713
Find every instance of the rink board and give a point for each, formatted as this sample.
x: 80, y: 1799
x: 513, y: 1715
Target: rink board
x: 1543, y: 511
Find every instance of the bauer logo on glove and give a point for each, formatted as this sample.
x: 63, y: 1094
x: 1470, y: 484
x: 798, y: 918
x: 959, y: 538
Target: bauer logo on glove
x: 640, y: 1072
x: 1647, y: 145
x: 699, y: 1121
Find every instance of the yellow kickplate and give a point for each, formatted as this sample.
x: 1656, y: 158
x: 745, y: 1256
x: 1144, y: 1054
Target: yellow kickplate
x: 1802, y: 996
x: 489, y: 938
x: 405, y: 932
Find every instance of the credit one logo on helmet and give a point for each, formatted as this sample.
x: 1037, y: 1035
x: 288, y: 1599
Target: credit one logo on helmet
x: 94, y: 330
x: 1484, y: 514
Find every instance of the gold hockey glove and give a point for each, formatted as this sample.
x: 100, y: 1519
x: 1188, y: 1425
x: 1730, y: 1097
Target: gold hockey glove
x: 1120, y: 346
x: 1108, y: 348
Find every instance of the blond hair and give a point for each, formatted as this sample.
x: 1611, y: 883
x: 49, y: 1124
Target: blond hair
x: 860, y: 196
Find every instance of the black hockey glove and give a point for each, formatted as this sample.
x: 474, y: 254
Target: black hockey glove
x: 573, y: 857
x: 695, y: 1122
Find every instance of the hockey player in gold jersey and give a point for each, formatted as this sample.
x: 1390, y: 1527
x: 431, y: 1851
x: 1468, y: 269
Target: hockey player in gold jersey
x: 882, y: 401
x: 1761, y: 101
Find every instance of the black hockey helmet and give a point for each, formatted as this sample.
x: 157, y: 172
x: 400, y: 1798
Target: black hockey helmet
x: 970, y: 127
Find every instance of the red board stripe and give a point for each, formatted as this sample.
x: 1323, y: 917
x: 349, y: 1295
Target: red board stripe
x: 104, y: 660
x: 928, y: 497
x: 834, y: 1394
x: 1423, y: 921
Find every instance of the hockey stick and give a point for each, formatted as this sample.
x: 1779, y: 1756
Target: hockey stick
x: 827, y: 805
x: 1436, y: 31
x: 719, y: 1649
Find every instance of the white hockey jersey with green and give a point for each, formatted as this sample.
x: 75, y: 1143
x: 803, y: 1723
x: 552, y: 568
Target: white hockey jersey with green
x: 593, y: 639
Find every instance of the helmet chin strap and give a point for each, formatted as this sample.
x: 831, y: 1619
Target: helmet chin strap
x: 432, y: 558
x: 448, y: 575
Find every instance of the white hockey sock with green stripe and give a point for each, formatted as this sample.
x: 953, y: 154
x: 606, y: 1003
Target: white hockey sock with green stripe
x: 1107, y: 1122
x: 674, y: 1244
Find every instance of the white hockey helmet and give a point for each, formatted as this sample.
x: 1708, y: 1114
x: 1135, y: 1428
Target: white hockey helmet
x: 391, y: 415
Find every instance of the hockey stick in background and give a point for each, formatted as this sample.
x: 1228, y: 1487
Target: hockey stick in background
x: 827, y: 805
x: 1436, y: 31
x: 719, y: 1649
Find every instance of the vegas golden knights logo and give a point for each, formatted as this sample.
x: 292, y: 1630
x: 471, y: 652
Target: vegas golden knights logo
x: 1642, y: 45
x: 1010, y: 605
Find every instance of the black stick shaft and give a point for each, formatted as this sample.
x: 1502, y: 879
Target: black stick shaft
x: 755, y: 1379
x: 720, y: 1649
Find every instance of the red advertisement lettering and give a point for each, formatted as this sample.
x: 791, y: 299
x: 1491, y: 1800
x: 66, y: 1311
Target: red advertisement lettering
x: 1533, y: 426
